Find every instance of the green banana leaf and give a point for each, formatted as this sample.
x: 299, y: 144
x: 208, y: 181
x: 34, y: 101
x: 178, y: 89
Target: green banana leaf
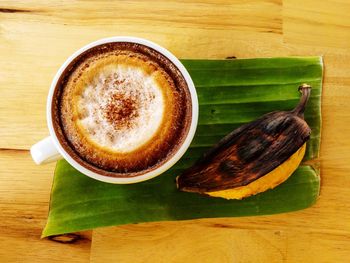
x: 230, y: 93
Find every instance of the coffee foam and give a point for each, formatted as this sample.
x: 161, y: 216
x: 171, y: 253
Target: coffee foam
x: 122, y: 108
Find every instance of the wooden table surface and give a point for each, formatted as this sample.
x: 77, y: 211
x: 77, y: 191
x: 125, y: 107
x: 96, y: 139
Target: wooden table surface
x: 37, y: 36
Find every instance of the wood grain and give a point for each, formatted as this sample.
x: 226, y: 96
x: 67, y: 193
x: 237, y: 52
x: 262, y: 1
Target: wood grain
x: 174, y: 242
x: 174, y: 245
x: 37, y: 36
x: 24, y: 200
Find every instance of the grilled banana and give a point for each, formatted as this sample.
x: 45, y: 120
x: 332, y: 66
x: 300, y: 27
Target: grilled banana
x: 253, y: 158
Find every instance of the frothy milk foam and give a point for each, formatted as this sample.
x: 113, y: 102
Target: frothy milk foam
x: 121, y: 108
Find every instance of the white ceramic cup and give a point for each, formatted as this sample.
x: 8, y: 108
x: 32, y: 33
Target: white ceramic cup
x: 50, y: 149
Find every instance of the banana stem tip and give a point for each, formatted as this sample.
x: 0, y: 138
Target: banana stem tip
x: 304, y: 86
x: 305, y: 90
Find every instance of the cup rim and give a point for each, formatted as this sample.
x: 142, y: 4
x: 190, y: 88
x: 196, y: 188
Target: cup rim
x: 166, y: 165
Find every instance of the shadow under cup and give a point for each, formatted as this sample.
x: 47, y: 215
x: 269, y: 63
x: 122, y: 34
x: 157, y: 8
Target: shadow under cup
x: 145, y: 161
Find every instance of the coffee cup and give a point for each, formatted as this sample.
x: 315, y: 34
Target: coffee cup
x: 141, y: 61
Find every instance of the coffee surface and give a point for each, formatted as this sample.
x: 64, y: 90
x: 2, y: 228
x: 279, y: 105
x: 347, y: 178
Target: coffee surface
x: 122, y: 109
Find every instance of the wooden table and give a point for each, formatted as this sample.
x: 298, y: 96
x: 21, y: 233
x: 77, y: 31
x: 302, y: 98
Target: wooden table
x: 37, y: 36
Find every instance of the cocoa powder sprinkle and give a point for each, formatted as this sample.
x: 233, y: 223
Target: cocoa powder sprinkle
x: 121, y: 110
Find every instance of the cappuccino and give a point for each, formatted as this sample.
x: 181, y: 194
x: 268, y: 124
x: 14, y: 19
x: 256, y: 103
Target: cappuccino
x: 121, y: 109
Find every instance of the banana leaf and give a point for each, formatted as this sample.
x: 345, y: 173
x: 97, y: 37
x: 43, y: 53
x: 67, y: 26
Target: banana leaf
x: 230, y: 93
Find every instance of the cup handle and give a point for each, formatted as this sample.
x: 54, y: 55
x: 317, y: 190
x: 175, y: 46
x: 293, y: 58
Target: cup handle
x: 45, y: 151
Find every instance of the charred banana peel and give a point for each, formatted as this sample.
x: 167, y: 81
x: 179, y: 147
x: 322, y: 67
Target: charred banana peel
x: 253, y: 158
